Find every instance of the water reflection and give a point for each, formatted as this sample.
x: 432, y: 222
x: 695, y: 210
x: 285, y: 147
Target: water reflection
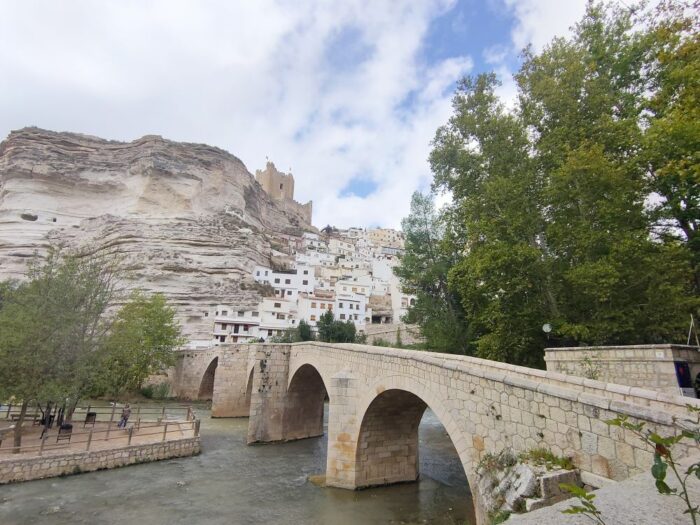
x: 231, y: 483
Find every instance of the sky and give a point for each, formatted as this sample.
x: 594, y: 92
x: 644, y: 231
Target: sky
x: 347, y: 94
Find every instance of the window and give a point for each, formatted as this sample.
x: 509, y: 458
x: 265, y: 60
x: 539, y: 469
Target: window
x: 304, y: 282
x: 294, y: 321
x: 278, y: 305
x: 281, y: 186
x: 222, y: 338
x: 355, y: 317
x: 257, y: 273
x: 287, y: 281
x: 236, y: 327
x: 265, y: 272
x: 280, y: 316
x: 224, y: 312
x: 277, y: 281
x: 354, y: 289
x: 306, y: 272
x: 255, y: 314
x: 342, y: 316
x: 289, y: 292
x: 340, y: 305
x: 313, y: 305
x: 241, y: 313
x: 345, y: 288
x: 269, y: 332
x: 223, y: 326
x: 277, y: 292
x: 206, y: 314
x: 313, y: 317
x: 323, y: 305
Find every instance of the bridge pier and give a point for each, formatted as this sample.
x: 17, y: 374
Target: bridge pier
x: 342, y: 431
x: 231, y: 382
x: 284, y: 408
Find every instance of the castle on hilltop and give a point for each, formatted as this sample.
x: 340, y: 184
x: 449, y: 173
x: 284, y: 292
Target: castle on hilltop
x: 280, y: 186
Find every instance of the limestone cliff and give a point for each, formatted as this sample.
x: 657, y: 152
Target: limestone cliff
x: 189, y: 219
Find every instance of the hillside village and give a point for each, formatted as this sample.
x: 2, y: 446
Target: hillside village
x: 346, y: 271
x: 349, y: 272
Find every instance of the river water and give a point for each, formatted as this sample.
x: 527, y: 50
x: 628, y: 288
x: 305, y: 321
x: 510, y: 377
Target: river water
x: 232, y: 483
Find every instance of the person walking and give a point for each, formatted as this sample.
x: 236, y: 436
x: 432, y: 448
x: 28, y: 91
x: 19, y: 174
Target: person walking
x: 126, y: 412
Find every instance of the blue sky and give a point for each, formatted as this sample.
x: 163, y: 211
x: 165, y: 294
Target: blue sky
x: 347, y: 94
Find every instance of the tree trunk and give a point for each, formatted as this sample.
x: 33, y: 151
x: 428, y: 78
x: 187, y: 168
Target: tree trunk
x: 18, y: 427
x: 71, y: 408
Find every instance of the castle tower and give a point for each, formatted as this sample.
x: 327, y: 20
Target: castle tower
x: 278, y: 185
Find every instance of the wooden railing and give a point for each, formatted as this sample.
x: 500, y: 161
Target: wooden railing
x: 147, y: 424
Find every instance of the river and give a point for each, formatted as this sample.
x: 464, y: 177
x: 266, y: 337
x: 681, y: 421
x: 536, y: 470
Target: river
x: 232, y: 483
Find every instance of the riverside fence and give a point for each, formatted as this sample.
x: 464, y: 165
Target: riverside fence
x: 94, y: 427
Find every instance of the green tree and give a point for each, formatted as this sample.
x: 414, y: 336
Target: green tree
x: 482, y: 156
x: 430, y: 251
x: 552, y: 199
x: 672, y: 120
x: 52, y: 326
x: 332, y: 331
x: 142, y: 341
x: 304, y: 331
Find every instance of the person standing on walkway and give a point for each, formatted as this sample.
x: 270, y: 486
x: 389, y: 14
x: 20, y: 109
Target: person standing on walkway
x: 126, y: 412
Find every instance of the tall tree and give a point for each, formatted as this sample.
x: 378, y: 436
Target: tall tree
x: 430, y: 251
x: 482, y: 157
x: 555, y: 200
x: 672, y: 118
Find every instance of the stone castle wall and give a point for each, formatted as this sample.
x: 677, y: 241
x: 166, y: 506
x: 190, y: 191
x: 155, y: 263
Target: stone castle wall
x: 280, y: 186
x: 38, y: 467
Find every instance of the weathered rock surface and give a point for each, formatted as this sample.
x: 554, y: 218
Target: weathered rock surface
x: 189, y: 219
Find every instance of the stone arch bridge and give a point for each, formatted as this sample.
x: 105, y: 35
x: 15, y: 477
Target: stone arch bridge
x: 377, y: 397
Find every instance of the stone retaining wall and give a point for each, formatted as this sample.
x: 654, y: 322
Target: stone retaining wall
x: 39, y: 467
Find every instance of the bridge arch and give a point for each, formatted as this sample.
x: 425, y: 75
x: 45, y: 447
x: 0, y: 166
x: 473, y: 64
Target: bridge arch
x: 387, y: 433
x: 306, y: 393
x: 206, y: 385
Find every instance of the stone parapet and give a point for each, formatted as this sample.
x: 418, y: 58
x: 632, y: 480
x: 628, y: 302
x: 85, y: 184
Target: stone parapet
x: 646, y: 366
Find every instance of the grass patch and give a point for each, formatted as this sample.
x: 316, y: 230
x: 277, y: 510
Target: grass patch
x: 544, y: 457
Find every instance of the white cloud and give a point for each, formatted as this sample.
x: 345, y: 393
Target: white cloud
x: 538, y: 21
x: 254, y: 78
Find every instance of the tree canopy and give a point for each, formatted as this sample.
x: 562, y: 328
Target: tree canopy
x: 578, y: 207
x: 62, y: 335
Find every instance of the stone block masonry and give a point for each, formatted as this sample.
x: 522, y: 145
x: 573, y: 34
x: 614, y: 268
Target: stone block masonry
x: 645, y: 366
x: 48, y: 466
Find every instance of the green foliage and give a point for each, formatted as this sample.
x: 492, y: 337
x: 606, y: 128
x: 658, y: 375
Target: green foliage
x: 141, y: 342
x: 381, y: 342
x: 587, y: 507
x: 430, y: 251
x: 332, y: 331
x: 591, y: 367
x: 156, y: 391
x: 545, y: 457
x: 550, y: 220
x: 498, y: 517
x: 302, y: 332
x: 52, y: 327
x: 492, y: 463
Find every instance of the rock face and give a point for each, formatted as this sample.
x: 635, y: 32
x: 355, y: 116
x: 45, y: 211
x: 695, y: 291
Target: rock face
x: 189, y: 220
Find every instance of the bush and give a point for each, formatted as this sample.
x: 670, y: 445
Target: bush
x: 158, y: 391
